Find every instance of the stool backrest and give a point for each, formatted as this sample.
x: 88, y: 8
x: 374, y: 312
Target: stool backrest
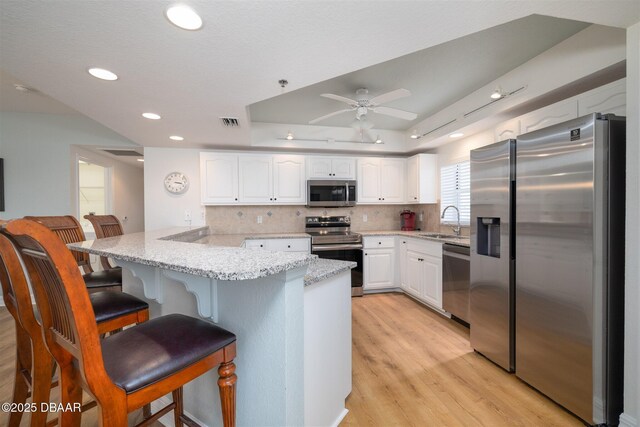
x: 105, y: 225
x: 68, y: 320
x: 69, y: 230
x: 15, y: 290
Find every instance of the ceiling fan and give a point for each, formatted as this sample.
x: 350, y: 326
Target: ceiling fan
x: 362, y: 104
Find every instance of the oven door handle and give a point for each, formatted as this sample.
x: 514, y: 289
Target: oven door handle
x: 324, y: 248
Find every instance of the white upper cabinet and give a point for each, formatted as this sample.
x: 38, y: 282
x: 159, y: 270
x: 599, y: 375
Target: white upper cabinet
x: 610, y: 98
x: 381, y: 180
x: 219, y: 178
x: 369, y: 180
x: 331, y: 167
x: 392, y: 180
x: 550, y: 115
x: 422, y: 172
x: 288, y: 179
x: 256, y: 179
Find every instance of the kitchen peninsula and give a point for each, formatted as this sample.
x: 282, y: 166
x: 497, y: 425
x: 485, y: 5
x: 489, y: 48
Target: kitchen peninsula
x: 277, y: 303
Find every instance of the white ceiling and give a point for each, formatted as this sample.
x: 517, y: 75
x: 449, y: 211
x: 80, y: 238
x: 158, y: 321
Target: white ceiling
x: 31, y: 101
x: 437, y: 76
x: 192, y: 78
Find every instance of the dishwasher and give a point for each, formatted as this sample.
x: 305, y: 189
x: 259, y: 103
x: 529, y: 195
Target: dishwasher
x: 455, y: 280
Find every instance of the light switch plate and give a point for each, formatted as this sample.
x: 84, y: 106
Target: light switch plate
x: 259, y: 219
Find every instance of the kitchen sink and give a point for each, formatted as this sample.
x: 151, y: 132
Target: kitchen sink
x: 441, y: 236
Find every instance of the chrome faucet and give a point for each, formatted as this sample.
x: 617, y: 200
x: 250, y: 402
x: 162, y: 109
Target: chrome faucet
x: 457, y: 228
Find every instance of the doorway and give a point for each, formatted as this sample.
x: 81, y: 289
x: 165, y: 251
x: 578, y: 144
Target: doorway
x: 94, y: 192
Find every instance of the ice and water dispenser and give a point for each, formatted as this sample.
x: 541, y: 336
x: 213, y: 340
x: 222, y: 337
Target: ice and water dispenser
x: 488, y: 240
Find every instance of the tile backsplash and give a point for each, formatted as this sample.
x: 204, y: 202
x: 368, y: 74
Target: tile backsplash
x: 290, y: 219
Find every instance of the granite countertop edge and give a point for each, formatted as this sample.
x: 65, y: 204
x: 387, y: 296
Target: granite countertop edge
x: 464, y: 242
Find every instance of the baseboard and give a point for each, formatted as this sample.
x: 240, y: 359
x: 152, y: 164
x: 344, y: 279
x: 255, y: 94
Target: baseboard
x: 167, y: 420
x: 338, y: 420
x: 627, y: 420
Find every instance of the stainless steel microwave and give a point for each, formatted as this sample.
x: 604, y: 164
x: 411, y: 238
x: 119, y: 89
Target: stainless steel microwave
x: 331, y: 193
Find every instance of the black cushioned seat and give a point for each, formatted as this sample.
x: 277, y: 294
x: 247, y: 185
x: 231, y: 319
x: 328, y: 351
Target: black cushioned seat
x: 109, y: 305
x: 151, y: 351
x: 104, y: 278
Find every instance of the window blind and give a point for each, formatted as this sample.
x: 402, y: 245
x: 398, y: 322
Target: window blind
x: 455, y: 186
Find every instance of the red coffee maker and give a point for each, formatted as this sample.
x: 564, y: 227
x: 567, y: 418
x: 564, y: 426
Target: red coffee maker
x: 407, y: 220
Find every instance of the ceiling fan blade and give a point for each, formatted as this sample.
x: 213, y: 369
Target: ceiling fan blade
x: 335, y: 113
x: 340, y: 98
x: 389, y: 96
x: 394, y: 112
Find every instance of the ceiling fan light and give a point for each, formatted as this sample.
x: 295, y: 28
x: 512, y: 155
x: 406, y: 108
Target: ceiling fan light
x: 497, y: 94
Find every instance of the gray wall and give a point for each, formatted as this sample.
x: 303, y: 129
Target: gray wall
x: 37, y: 151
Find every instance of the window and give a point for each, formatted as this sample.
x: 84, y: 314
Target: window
x: 455, y: 190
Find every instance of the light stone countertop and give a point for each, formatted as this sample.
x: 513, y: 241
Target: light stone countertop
x: 321, y: 269
x: 156, y: 249
x: 191, y: 250
x: 237, y: 239
x: 463, y: 241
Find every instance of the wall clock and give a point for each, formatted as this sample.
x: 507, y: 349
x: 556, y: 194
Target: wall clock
x: 176, y: 183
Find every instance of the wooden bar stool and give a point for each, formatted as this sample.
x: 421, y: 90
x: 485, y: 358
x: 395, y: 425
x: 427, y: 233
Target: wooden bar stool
x: 69, y: 230
x: 131, y: 368
x: 105, y: 226
x: 34, y: 364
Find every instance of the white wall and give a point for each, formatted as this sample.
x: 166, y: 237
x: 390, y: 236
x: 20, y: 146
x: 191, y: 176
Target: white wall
x: 127, y: 183
x: 36, y: 149
x: 631, y: 416
x: 163, y: 209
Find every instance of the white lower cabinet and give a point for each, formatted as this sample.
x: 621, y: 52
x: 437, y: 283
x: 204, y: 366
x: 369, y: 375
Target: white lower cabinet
x: 378, y: 269
x: 420, y: 263
x: 378, y: 262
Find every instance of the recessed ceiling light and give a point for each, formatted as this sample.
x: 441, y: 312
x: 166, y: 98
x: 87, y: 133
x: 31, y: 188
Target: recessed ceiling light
x: 456, y: 135
x: 140, y: 160
x: 415, y: 135
x: 184, y: 17
x: 176, y: 138
x: 102, y: 74
x: 289, y: 136
x: 151, y: 116
x: 378, y: 140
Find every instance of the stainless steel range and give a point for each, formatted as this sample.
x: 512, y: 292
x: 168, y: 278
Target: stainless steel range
x: 332, y: 238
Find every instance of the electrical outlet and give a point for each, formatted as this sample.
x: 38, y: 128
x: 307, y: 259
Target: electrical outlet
x: 259, y: 219
x: 365, y: 218
x: 187, y: 215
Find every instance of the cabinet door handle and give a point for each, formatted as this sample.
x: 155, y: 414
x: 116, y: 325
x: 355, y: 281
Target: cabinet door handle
x: 366, y: 253
x: 236, y: 199
x: 275, y: 198
x: 289, y: 246
x: 270, y: 198
x: 379, y: 243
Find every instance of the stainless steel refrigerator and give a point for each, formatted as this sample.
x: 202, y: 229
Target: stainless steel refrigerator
x: 492, y: 296
x: 568, y: 291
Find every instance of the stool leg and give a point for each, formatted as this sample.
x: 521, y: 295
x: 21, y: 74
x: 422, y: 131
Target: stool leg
x: 23, y: 363
x: 41, y: 382
x: 146, y: 411
x: 70, y: 393
x: 177, y: 411
x: 227, y: 386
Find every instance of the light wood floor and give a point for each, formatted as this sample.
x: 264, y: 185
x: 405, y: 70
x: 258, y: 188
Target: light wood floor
x: 413, y: 367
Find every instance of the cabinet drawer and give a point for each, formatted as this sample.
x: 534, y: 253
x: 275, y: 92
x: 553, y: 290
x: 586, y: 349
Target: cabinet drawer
x: 425, y: 247
x: 288, y: 245
x: 373, y: 242
x: 255, y: 244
